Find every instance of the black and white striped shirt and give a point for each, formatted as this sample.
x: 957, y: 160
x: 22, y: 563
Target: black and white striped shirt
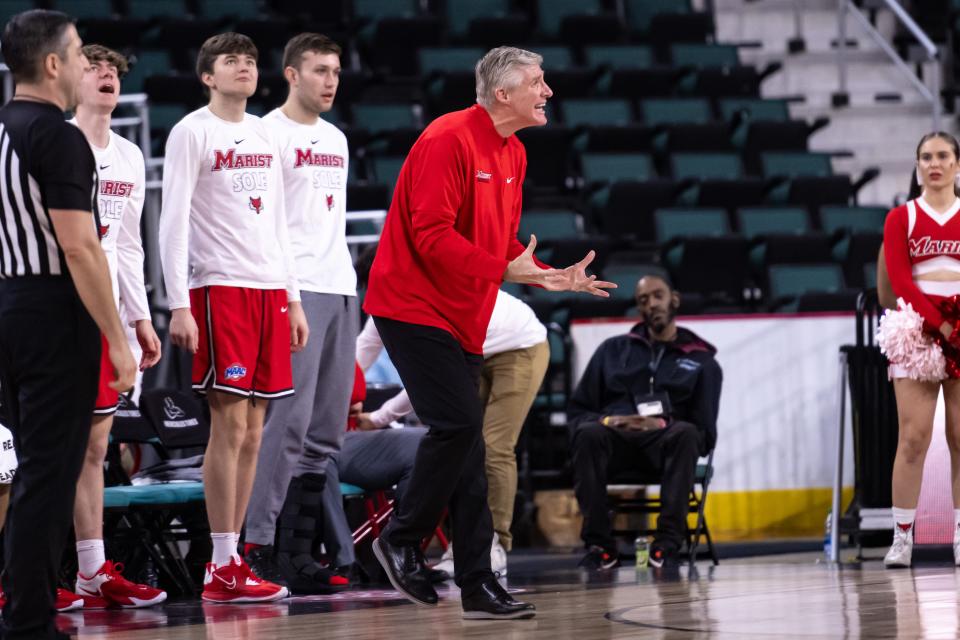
x: 45, y: 163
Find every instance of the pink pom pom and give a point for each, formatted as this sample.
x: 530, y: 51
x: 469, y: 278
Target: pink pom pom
x: 901, y: 338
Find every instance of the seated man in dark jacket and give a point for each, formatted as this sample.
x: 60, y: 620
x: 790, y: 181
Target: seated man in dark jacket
x: 648, y: 400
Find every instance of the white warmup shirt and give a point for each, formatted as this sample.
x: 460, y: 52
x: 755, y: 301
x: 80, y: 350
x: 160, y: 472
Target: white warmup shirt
x: 121, y: 180
x: 315, y: 160
x: 223, y: 220
x: 513, y: 326
x: 8, y: 457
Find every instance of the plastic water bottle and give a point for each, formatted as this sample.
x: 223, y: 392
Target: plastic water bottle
x: 827, y: 546
x: 642, y: 549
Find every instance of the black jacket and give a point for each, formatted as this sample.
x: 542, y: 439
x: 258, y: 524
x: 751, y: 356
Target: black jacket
x: 619, y: 373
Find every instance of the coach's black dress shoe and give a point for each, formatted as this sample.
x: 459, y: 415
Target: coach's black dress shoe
x: 402, y: 565
x: 491, y: 601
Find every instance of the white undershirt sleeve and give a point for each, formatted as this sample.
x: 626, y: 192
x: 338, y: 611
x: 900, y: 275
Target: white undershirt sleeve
x: 283, y: 232
x: 181, y: 166
x: 130, y: 276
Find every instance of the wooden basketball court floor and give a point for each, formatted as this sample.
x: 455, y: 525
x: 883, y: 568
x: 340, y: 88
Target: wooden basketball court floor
x: 791, y: 596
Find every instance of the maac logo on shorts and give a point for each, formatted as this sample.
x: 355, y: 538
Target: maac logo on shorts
x: 256, y: 204
x: 235, y: 372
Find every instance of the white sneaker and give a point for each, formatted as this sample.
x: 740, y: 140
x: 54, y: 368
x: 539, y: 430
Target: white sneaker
x: 446, y: 561
x: 901, y: 550
x: 498, y: 557
x: 956, y: 546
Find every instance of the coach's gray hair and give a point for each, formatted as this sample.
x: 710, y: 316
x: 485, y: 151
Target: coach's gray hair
x: 498, y: 70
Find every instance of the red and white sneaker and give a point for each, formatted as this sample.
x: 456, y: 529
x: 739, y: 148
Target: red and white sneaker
x: 67, y: 601
x: 108, y: 587
x: 235, y: 582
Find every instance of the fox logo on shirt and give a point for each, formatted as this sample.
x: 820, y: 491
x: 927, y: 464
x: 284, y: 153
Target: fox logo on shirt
x: 256, y: 204
x: 104, y: 230
x: 329, y: 202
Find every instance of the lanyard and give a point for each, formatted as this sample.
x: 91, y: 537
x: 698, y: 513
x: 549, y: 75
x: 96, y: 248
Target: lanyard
x: 655, y: 364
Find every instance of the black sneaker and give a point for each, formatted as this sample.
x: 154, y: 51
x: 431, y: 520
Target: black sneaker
x: 663, y: 557
x: 263, y: 562
x: 599, y: 559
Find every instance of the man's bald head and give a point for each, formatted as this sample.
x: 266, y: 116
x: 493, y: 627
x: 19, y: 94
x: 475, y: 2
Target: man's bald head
x: 657, y: 302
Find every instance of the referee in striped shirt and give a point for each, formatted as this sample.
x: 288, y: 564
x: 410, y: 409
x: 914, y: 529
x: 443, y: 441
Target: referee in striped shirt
x: 55, y: 299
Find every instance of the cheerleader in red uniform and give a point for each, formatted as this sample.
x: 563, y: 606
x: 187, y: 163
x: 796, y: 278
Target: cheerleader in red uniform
x: 922, y: 254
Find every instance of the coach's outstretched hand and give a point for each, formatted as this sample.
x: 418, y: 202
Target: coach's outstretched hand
x: 524, y: 270
x: 183, y: 330
x: 299, y: 329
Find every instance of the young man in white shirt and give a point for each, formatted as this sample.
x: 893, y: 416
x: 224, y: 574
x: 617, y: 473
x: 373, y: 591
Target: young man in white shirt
x: 301, y: 435
x: 121, y: 185
x: 232, y: 289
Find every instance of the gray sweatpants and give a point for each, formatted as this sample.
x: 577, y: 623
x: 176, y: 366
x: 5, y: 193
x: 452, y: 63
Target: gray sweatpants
x: 301, y: 433
x: 371, y: 460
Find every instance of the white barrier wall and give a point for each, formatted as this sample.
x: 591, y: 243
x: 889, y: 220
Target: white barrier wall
x: 778, y: 419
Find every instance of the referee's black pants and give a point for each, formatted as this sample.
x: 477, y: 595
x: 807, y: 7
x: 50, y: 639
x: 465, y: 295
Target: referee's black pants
x: 49, y: 365
x: 443, y: 381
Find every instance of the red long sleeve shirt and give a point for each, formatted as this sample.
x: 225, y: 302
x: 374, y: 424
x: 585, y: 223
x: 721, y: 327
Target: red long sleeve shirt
x: 918, y: 240
x: 451, y: 229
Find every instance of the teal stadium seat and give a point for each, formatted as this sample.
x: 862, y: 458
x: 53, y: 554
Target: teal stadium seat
x: 664, y: 111
x: 790, y: 280
x: 674, y: 223
x: 550, y: 13
x: 146, y: 63
x: 756, y: 109
x: 555, y: 58
x: 587, y: 112
x: 619, y: 57
x: 706, y: 166
x: 599, y: 168
x: 639, y: 13
x: 793, y: 164
x: 147, y: 9
x: 761, y: 221
x: 626, y: 277
x: 84, y: 8
x: 550, y: 225
x: 376, y: 9
x: 704, y: 55
x: 383, y: 118
x: 434, y: 59
x: 233, y: 9
x: 460, y: 13
x: 853, y: 219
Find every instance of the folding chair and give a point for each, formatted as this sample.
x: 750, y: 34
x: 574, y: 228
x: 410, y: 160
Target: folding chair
x: 171, y: 421
x: 640, y: 503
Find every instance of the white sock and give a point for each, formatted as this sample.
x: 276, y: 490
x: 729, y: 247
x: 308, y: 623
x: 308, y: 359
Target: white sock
x: 236, y: 547
x: 904, y: 518
x: 224, y: 548
x: 956, y: 522
x: 90, y: 557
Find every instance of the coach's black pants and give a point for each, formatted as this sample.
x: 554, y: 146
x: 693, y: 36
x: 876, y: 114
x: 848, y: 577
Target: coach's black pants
x: 49, y: 365
x: 442, y: 381
x: 600, y: 453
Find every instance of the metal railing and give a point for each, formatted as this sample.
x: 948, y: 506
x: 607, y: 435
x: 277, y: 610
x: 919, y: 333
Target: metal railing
x: 931, y: 94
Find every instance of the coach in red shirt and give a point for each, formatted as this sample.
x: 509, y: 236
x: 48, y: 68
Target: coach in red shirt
x: 449, y: 240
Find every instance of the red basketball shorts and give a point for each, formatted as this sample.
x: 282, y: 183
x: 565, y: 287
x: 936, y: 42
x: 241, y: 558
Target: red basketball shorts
x: 244, y: 345
x: 107, y: 398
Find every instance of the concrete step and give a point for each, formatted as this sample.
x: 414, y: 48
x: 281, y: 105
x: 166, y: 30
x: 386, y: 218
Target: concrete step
x: 774, y: 27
